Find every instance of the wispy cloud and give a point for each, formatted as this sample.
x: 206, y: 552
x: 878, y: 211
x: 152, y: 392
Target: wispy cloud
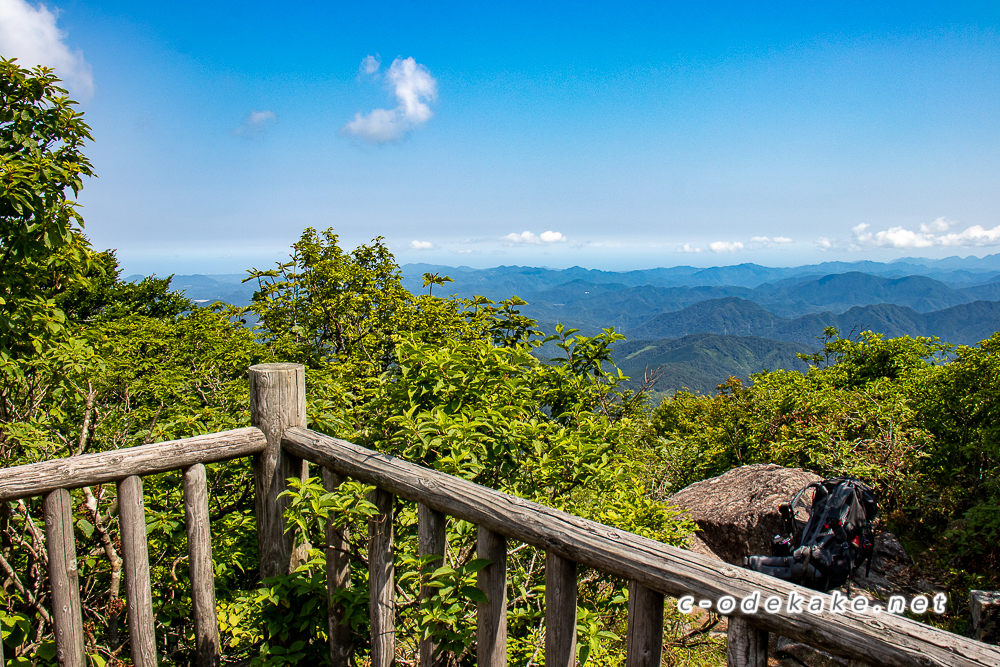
x: 531, y: 237
x: 767, y: 241
x: 421, y: 245
x: 255, y: 124
x: 30, y: 34
x: 725, y: 246
x: 370, y: 64
x: 927, y: 236
x: 414, y: 88
x: 755, y: 243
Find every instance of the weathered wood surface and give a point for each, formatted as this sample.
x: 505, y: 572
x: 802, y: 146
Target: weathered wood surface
x: 882, y: 639
x: 73, y: 472
x: 560, y: 611
x: 138, y: 595
x: 338, y: 576
x: 431, y: 541
x: 644, y: 639
x: 382, y: 581
x: 277, y: 402
x: 491, y: 616
x: 199, y: 534
x: 746, y: 646
x: 63, y: 579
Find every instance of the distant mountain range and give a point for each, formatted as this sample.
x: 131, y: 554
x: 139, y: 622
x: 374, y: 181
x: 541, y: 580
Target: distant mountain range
x: 702, y: 325
x: 521, y: 280
x: 595, y: 306
x: 964, y: 324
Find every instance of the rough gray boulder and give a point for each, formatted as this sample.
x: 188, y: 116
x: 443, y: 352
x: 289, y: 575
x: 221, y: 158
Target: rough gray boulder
x: 985, y: 608
x: 737, y: 515
x: 737, y: 512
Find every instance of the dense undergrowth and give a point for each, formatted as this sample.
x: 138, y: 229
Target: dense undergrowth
x: 91, y: 363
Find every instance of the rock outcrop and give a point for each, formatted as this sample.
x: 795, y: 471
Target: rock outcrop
x: 737, y: 512
x: 737, y: 515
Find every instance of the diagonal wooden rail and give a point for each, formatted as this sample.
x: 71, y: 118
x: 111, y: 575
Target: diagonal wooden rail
x: 885, y: 639
x: 282, y: 448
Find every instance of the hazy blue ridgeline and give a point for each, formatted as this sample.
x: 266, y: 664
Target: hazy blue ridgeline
x: 701, y: 325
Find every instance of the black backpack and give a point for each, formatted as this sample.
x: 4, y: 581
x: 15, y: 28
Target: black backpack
x: 836, y: 541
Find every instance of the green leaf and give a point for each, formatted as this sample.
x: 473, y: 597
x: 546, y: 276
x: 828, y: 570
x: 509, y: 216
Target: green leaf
x: 85, y: 527
x: 46, y: 650
x: 474, y: 594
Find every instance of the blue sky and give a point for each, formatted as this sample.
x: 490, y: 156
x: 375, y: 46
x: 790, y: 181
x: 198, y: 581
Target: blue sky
x: 607, y: 135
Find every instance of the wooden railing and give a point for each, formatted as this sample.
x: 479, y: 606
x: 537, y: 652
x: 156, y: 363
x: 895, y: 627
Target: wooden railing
x: 53, y: 480
x: 282, y: 446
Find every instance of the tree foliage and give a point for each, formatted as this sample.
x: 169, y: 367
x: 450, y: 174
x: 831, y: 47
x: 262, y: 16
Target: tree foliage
x: 41, y: 165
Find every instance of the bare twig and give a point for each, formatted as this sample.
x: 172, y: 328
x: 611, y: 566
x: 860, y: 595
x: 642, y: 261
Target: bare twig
x: 114, y: 559
x: 88, y: 412
x: 152, y: 426
x: 42, y: 612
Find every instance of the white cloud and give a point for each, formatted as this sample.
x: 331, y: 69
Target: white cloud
x: 974, y: 235
x: 687, y: 248
x: 256, y: 123
x: 824, y: 243
x: 30, y: 34
x: 414, y: 88
x: 929, y: 235
x: 421, y: 245
x: 531, y: 237
x: 725, y: 246
x: 939, y: 225
x: 768, y: 242
x: 370, y: 64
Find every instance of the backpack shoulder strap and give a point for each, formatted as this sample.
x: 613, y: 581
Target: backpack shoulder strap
x: 788, y: 510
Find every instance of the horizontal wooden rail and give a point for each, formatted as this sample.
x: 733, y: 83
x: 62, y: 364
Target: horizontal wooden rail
x: 127, y: 467
x: 883, y: 639
x: 73, y: 472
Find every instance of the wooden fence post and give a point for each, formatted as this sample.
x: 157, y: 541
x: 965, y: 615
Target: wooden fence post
x: 196, y: 518
x: 338, y: 576
x: 66, y: 609
x: 746, y: 646
x: 277, y: 402
x: 491, y: 617
x: 645, y: 627
x: 138, y: 594
x: 382, y: 581
x: 560, y: 611
x: 431, y: 540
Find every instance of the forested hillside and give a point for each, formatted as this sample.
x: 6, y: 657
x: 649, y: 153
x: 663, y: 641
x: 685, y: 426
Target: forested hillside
x: 91, y: 362
x: 700, y: 362
x: 964, y: 324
